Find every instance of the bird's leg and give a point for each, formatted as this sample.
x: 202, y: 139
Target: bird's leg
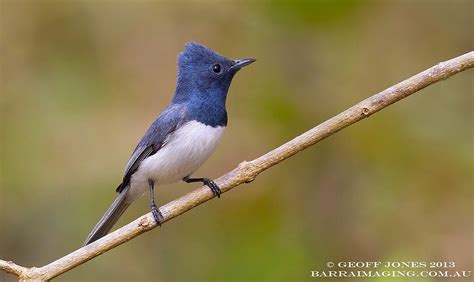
x: 211, y: 184
x: 154, y: 210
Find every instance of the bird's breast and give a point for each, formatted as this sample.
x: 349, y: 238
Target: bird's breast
x: 183, y: 153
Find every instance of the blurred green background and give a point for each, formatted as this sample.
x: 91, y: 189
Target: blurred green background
x: 82, y: 81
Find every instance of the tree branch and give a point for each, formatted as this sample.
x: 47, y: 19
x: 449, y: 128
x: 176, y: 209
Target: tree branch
x: 247, y: 171
x: 11, y: 267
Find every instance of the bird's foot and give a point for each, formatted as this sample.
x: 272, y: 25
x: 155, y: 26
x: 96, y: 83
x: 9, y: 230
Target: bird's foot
x: 209, y: 183
x: 213, y: 186
x: 157, y: 215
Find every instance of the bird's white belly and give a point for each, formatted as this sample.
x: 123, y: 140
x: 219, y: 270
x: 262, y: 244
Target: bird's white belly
x: 186, y: 150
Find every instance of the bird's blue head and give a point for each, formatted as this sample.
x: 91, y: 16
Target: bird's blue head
x: 204, y: 76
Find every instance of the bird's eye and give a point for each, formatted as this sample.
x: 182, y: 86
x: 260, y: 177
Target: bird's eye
x: 216, y: 68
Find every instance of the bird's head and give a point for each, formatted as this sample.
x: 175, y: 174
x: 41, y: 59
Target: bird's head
x: 204, y: 70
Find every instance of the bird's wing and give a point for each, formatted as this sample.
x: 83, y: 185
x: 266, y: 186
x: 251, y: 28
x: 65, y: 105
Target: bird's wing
x: 154, y: 139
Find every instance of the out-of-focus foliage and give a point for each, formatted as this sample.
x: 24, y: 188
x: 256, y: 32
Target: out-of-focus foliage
x: 81, y: 81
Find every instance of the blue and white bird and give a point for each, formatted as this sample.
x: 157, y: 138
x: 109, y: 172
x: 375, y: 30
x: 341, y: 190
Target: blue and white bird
x: 183, y: 136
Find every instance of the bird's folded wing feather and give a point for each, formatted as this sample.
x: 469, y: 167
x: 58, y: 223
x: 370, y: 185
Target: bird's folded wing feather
x: 154, y: 139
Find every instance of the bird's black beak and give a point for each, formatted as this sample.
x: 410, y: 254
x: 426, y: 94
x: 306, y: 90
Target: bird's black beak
x: 238, y: 64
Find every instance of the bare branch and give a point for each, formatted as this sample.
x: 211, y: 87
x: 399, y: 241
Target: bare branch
x: 247, y: 171
x: 11, y: 267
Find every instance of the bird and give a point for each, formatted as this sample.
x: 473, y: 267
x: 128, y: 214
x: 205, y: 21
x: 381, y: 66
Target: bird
x: 182, y: 137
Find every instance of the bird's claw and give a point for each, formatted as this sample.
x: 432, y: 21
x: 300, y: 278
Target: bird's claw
x: 213, y: 186
x: 157, y: 215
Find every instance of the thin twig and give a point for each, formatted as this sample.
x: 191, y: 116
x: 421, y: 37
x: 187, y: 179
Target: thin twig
x: 247, y: 171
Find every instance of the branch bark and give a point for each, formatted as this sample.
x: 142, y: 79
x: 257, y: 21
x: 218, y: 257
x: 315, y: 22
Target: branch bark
x: 246, y: 171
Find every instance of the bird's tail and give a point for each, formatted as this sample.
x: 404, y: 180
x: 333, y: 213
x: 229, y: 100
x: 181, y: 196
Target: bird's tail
x: 110, y: 218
